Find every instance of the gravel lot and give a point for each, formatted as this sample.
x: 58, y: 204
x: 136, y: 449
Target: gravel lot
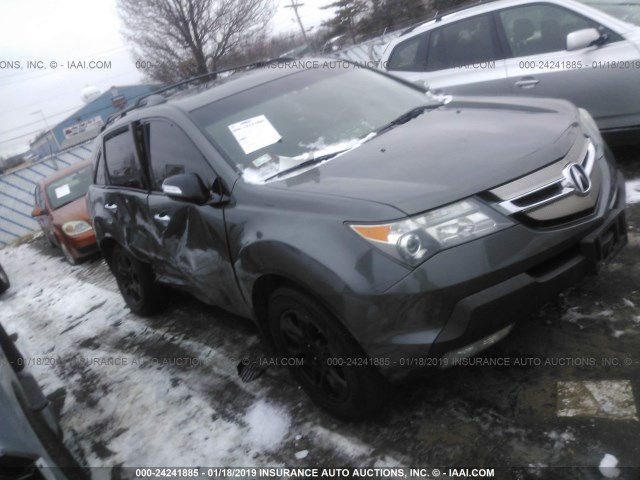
x: 164, y: 391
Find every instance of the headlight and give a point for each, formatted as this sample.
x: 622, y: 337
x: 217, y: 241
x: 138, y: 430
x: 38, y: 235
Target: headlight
x: 415, y: 239
x: 590, y: 128
x: 75, y: 228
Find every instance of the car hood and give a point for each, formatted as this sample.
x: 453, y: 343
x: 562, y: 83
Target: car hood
x: 458, y: 150
x: 76, y: 210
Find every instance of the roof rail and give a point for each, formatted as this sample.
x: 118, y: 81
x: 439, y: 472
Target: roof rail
x: 143, y: 100
x: 439, y: 14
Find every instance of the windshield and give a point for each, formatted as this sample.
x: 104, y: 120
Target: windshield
x: 622, y: 9
x: 310, y: 115
x: 69, y: 188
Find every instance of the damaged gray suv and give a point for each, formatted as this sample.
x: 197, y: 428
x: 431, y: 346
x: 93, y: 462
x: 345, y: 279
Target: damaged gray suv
x: 371, y: 230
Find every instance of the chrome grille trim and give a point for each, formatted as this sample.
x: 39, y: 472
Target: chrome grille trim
x: 564, y: 189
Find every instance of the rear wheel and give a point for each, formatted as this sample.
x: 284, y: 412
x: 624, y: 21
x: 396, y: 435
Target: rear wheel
x: 304, y: 330
x: 136, y: 283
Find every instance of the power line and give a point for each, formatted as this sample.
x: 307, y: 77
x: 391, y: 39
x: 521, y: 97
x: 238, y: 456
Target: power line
x: 132, y: 100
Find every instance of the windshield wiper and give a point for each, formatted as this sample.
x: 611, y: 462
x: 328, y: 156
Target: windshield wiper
x: 408, y: 116
x: 308, y: 163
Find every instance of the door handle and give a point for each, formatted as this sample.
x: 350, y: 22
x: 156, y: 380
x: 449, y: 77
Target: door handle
x: 111, y: 207
x: 162, y: 217
x: 527, y: 83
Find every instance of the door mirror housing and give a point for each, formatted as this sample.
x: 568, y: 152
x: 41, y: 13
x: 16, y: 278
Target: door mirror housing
x: 39, y: 211
x: 587, y: 37
x: 187, y: 187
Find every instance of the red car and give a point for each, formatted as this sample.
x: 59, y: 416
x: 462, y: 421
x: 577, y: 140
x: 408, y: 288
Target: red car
x: 61, y: 211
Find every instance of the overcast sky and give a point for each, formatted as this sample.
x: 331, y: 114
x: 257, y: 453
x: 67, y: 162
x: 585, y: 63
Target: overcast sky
x: 61, y: 31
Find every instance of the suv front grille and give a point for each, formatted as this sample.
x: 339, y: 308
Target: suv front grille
x: 564, y: 191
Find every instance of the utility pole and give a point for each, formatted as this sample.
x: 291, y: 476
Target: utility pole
x: 295, y: 7
x: 49, y: 134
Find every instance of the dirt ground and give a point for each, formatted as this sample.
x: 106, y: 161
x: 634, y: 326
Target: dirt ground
x: 568, y: 396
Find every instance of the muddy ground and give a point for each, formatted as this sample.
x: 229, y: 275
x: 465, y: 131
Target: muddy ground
x: 469, y: 416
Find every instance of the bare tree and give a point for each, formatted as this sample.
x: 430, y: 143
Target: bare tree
x: 177, y: 39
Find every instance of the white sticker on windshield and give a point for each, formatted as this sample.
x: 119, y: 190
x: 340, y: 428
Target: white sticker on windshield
x: 62, y: 191
x: 255, y: 133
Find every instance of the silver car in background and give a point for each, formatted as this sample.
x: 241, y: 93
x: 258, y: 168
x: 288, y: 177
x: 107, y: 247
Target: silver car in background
x: 551, y: 48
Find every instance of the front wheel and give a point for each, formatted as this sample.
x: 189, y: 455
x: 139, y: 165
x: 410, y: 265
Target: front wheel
x: 136, y: 283
x: 324, y: 351
x: 68, y: 255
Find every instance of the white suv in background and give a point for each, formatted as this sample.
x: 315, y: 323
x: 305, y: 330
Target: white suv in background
x: 548, y: 48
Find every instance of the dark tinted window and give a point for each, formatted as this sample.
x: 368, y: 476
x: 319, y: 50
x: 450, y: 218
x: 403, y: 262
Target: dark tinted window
x: 462, y: 43
x: 408, y: 56
x: 542, y: 28
x: 122, y: 165
x: 171, y: 152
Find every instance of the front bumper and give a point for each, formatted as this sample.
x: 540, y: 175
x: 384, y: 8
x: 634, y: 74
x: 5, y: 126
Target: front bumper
x: 459, y: 300
x: 83, y: 245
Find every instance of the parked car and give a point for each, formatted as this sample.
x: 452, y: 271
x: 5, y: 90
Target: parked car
x: 4, y: 281
x: 61, y: 211
x: 550, y: 48
x: 31, y: 445
x: 370, y: 229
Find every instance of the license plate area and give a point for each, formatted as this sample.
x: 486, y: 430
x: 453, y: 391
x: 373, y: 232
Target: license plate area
x: 604, y: 244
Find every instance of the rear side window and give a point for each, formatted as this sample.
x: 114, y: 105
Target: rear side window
x: 408, y: 56
x: 172, y: 152
x: 467, y: 42
x: 122, y: 164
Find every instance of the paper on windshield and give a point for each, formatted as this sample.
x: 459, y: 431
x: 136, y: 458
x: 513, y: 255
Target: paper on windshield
x: 255, y: 133
x: 62, y: 191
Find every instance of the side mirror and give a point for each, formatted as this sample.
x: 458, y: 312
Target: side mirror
x: 187, y: 187
x: 423, y: 84
x: 583, y: 38
x: 38, y: 212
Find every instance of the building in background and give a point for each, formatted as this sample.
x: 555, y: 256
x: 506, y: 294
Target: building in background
x: 84, y: 124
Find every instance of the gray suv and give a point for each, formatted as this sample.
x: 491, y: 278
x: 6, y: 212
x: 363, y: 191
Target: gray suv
x: 551, y: 48
x: 372, y: 231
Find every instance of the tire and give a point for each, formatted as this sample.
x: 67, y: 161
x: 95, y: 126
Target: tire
x: 136, y: 282
x: 68, y: 255
x: 4, y: 281
x: 50, y: 239
x: 301, y: 328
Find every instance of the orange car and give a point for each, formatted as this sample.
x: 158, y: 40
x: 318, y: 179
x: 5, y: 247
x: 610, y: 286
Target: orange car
x: 61, y: 211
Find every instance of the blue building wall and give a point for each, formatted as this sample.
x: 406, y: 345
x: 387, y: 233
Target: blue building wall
x: 102, y: 107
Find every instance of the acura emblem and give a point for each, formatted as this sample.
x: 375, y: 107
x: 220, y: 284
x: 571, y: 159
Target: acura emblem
x: 578, y: 179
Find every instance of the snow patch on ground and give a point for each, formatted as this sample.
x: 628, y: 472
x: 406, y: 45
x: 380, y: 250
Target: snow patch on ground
x: 123, y: 404
x: 560, y: 440
x: 633, y: 191
x: 268, y: 425
x: 602, y: 399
